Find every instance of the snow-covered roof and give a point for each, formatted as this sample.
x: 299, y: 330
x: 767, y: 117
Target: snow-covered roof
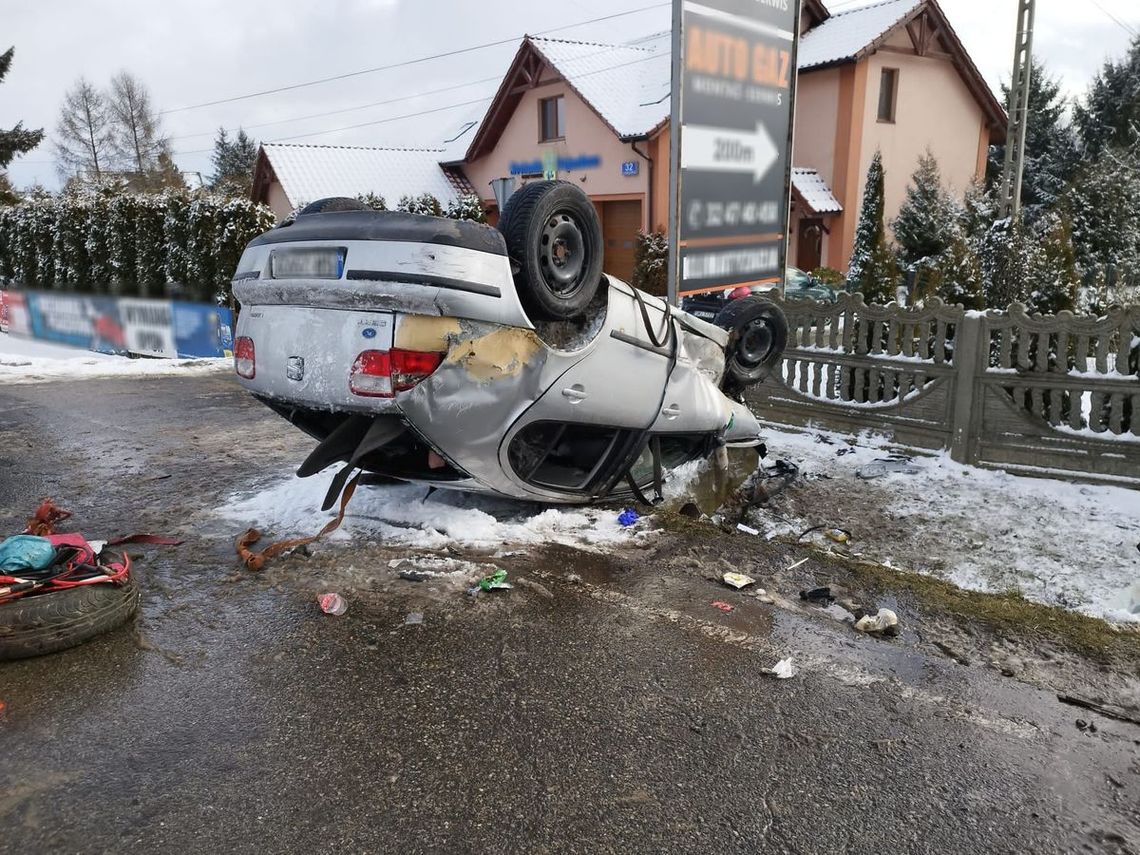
x: 814, y: 191
x: 311, y: 172
x: 627, y: 84
x: 842, y: 36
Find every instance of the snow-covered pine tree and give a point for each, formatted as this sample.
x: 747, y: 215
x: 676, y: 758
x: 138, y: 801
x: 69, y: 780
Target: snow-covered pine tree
x: 651, y: 263
x: 18, y: 139
x: 233, y: 160
x: 1053, y: 278
x: 425, y: 203
x: 374, y: 201
x: 467, y: 207
x: 1051, y: 155
x: 1102, y: 202
x: 97, y: 239
x: 150, y: 257
x: 72, y: 243
x: 121, y: 246
x: 958, y: 274
x: 201, y: 263
x: 924, y: 227
x: 176, y: 236
x: 239, y: 222
x: 1109, y: 117
x: 1008, y: 259
x: 872, y: 269
x: 7, y: 235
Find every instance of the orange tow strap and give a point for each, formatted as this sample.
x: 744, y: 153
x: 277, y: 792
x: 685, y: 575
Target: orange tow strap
x: 256, y: 560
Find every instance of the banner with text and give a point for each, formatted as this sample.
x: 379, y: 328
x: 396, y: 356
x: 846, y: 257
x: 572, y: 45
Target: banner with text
x: 731, y: 165
x: 161, y: 328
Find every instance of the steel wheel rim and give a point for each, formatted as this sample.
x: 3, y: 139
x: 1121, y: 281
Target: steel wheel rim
x: 562, y: 253
x: 755, y: 342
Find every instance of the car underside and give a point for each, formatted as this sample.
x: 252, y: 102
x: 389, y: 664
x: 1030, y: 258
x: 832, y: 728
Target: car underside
x: 458, y: 355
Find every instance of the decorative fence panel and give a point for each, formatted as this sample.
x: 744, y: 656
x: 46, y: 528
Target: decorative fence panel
x: 1041, y: 395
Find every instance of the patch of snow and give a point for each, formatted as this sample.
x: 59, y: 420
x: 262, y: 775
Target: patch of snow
x: 404, y: 515
x: 1056, y: 542
x: 24, y: 360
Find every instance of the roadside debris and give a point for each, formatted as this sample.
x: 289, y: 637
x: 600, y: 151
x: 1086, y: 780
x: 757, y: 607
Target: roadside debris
x: 60, y: 589
x: 737, y: 580
x: 724, y: 607
x: 798, y: 564
x: 1085, y: 726
x: 332, y: 604
x: 833, y: 533
x: 747, y: 529
x: 782, y: 670
x: 628, y: 517
x: 1106, y: 710
x: 413, y: 618
x: 690, y: 510
x: 819, y: 596
x: 885, y: 622
x: 887, y: 466
x: 416, y: 575
x: 497, y: 581
x: 537, y: 587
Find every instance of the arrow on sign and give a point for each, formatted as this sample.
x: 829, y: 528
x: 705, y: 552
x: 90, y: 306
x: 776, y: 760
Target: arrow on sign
x: 728, y: 150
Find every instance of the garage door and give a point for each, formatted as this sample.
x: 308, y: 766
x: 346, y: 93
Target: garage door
x: 620, y: 224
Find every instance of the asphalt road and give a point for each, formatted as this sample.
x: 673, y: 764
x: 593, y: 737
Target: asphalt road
x: 621, y: 714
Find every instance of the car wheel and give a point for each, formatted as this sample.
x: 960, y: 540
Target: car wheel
x: 555, y: 238
x: 333, y: 204
x: 758, y: 334
x: 45, y: 623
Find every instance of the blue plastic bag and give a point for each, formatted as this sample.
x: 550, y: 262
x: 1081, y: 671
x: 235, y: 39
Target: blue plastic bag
x: 25, y: 552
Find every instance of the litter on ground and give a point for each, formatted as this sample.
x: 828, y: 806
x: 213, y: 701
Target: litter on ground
x: 332, y: 604
x: 782, y: 670
x: 885, y: 622
x: 737, y: 580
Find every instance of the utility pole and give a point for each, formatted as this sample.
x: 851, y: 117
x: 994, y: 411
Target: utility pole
x: 1018, y: 110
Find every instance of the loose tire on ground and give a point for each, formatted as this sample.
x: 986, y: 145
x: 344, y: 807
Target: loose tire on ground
x: 554, y: 236
x: 758, y: 334
x: 333, y: 204
x: 46, y: 623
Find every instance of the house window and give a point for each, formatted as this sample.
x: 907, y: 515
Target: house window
x: 552, y: 118
x: 888, y: 94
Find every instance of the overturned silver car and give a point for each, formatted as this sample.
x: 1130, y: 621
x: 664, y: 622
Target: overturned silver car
x: 460, y: 355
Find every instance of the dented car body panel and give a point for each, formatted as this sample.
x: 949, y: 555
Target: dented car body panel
x: 554, y: 411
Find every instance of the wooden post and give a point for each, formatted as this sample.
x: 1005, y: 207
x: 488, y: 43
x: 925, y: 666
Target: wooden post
x: 971, y: 354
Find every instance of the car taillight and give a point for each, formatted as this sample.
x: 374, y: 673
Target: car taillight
x: 245, y: 361
x: 383, y: 373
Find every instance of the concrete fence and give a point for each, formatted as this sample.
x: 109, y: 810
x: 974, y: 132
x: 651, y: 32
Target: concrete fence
x: 1056, y: 396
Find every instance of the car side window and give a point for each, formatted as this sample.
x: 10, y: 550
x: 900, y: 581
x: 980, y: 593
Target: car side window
x: 676, y: 449
x: 563, y: 456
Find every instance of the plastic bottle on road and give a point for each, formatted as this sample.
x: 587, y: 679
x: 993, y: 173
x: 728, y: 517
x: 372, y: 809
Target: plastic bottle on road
x: 332, y: 604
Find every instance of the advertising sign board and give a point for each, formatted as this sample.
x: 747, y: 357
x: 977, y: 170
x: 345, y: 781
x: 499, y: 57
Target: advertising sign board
x: 735, y: 63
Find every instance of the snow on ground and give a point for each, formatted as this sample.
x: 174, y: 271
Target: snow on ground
x: 24, y: 360
x: 1055, y: 542
x: 404, y: 515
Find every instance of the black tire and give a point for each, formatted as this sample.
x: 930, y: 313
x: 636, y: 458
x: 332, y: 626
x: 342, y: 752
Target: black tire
x: 333, y: 204
x: 554, y: 236
x: 757, y: 336
x: 46, y: 623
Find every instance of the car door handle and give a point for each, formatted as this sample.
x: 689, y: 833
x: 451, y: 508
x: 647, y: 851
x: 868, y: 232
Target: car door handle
x: 671, y: 411
x: 574, y: 394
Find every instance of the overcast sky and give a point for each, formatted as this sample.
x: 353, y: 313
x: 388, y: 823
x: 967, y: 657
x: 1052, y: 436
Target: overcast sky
x: 193, y: 51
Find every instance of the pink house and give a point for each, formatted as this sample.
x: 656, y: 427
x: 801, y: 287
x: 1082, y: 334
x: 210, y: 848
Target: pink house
x: 892, y: 77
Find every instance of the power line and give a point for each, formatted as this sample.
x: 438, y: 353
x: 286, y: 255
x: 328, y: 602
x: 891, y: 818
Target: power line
x: 1128, y: 29
x: 344, y: 109
x: 404, y: 63
x: 453, y: 106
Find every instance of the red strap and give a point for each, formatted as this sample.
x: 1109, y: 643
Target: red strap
x: 159, y: 539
